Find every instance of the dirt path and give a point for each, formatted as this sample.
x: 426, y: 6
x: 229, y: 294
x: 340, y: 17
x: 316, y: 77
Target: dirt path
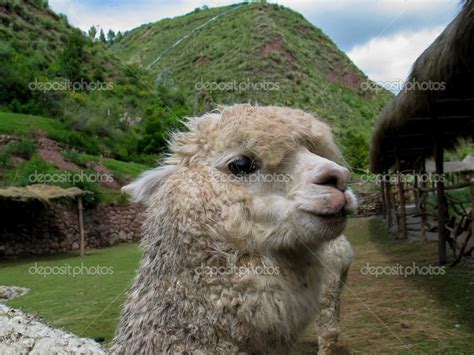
x: 391, y: 313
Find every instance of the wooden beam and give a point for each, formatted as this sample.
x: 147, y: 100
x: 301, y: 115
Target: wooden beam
x: 461, y: 185
x: 442, y: 202
x: 81, y: 223
x: 454, y: 99
x: 402, y: 225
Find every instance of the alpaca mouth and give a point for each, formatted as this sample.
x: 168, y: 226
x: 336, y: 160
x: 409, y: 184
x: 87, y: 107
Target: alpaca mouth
x: 330, y: 218
x: 338, y: 217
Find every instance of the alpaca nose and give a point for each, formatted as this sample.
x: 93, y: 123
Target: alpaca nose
x: 334, y: 176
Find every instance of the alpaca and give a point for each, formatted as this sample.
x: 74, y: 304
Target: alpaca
x: 236, y: 236
x: 337, y: 256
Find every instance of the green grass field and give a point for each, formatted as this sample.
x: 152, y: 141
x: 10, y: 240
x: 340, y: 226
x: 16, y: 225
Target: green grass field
x: 16, y: 123
x: 437, y: 309
x: 85, y: 305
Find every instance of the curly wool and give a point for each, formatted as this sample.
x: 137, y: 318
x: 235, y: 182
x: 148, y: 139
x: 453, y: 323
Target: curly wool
x: 195, y: 224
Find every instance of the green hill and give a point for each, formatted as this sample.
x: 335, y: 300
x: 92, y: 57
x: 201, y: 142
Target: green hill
x: 262, y: 53
x: 161, y: 72
x: 49, y: 68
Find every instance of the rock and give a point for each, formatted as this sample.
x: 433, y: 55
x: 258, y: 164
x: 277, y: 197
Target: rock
x: 405, y: 324
x: 9, y: 292
x: 114, y: 239
x: 123, y: 236
x: 23, y: 334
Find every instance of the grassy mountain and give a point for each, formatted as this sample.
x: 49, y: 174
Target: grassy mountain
x: 261, y: 53
x: 155, y: 75
x: 49, y: 68
x: 68, y: 107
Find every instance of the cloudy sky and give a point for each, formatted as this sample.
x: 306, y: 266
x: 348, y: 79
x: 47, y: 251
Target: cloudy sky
x: 382, y: 37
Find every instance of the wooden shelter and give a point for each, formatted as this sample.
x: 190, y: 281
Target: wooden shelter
x: 431, y: 114
x: 46, y: 194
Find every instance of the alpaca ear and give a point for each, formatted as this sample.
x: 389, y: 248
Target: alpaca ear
x: 143, y: 188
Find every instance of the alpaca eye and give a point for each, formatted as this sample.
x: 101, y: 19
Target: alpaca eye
x: 242, y: 166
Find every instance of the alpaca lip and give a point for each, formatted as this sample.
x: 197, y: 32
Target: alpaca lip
x: 338, y: 217
x: 333, y: 218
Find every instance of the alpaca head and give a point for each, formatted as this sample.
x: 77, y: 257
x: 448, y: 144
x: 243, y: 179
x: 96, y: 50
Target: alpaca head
x: 262, y: 179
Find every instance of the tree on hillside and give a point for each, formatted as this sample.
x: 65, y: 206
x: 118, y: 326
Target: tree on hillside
x: 102, y: 36
x: 92, y: 32
x: 73, y: 56
x: 41, y: 3
x: 118, y: 37
x: 163, y: 118
x: 110, y: 37
x: 355, y: 146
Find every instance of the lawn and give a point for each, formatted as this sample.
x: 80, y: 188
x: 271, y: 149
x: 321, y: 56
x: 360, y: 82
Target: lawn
x: 393, y: 314
x: 85, y: 305
x: 385, y: 314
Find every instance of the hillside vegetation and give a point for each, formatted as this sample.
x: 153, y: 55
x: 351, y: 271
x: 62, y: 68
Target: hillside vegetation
x: 261, y: 53
x: 37, y: 149
x: 119, y: 99
x: 52, y: 69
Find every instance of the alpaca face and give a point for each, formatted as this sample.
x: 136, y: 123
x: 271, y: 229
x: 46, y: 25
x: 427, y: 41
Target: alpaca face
x: 270, y: 175
x: 314, y: 203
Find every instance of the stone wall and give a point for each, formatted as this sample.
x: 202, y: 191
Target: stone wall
x: 31, y: 228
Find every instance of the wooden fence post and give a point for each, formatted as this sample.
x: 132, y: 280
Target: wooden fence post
x: 81, y: 223
x: 442, y: 202
x: 402, y: 225
x: 384, y: 203
x: 388, y: 191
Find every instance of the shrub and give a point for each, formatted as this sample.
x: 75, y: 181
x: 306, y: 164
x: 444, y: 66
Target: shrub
x: 27, y: 172
x: 5, y: 159
x: 72, y: 155
x: 23, y: 149
x: 78, y: 181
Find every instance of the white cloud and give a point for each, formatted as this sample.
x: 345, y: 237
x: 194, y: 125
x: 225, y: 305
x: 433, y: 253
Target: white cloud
x: 124, y: 17
x: 390, y: 58
x: 384, y: 58
x: 374, y: 6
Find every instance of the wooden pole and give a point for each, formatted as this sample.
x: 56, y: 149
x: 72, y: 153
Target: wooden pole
x: 442, y: 202
x: 388, y: 191
x: 81, y: 223
x: 472, y: 202
x: 384, y: 203
x: 416, y: 188
x: 423, y: 202
x: 402, y: 223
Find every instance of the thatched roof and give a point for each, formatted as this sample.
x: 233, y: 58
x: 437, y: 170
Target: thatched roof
x: 43, y: 193
x: 407, y: 125
x: 464, y: 166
